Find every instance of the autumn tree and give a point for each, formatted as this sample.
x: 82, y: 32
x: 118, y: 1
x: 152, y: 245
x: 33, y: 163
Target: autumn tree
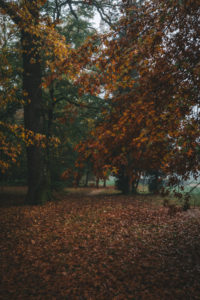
x: 151, y: 80
x: 44, y: 53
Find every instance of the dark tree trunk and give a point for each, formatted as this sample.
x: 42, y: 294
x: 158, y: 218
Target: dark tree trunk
x: 97, y: 182
x: 130, y: 185
x: 38, y: 173
x: 125, y: 182
x: 104, y: 182
x: 87, y: 178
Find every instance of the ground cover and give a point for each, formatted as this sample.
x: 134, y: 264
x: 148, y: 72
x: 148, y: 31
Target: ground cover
x: 90, y: 246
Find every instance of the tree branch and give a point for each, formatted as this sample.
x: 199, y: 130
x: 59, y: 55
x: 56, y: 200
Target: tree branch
x: 82, y: 105
x: 11, y: 10
x: 194, y: 187
x: 72, y: 10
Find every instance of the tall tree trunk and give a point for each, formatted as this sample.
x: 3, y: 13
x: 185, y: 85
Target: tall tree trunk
x: 38, y: 173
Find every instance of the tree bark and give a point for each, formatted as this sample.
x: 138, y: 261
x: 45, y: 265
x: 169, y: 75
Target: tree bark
x: 38, y: 173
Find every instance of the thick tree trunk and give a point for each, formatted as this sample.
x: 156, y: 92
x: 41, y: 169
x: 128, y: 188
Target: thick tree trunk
x: 38, y: 173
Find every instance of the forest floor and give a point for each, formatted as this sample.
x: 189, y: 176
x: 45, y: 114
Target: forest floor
x: 95, y: 245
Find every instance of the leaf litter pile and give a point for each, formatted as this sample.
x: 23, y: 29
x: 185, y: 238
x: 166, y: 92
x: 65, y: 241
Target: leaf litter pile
x: 100, y: 247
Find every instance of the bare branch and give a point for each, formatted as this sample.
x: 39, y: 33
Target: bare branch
x: 72, y: 10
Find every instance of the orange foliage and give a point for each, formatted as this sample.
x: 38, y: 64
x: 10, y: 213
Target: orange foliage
x: 149, y: 69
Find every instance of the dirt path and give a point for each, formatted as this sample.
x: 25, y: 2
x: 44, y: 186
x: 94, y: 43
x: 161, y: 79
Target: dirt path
x: 100, y: 191
x: 92, y: 191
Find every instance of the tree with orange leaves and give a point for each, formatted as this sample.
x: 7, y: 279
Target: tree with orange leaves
x: 44, y: 53
x: 149, y: 68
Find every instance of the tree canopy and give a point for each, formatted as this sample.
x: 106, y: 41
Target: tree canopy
x: 149, y: 69
x: 131, y: 95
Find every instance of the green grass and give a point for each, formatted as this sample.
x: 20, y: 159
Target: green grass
x: 194, y: 195
x: 194, y: 200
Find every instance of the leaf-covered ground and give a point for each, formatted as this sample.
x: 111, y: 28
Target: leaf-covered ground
x: 99, y: 247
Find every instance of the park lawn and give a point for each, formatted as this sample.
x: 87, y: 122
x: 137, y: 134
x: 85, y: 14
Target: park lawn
x: 99, y: 247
